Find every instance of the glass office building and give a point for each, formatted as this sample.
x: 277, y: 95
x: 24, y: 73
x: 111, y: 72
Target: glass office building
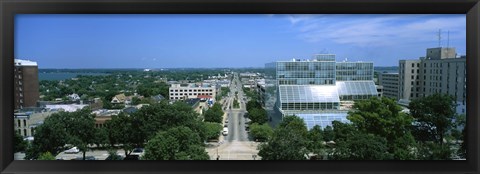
x: 354, y: 71
x: 299, y: 72
x: 319, y: 90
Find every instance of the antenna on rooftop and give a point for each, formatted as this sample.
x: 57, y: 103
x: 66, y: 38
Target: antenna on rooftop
x: 448, y: 41
x: 448, y: 38
x: 439, y: 36
x: 324, y: 51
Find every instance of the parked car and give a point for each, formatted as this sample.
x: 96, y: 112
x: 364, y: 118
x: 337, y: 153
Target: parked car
x: 132, y: 157
x: 225, y: 131
x: 73, y: 150
x: 86, y: 158
x: 137, y: 151
x: 115, y: 157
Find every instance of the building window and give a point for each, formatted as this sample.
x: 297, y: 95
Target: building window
x: 413, y: 65
x: 25, y: 123
x: 413, y: 71
x: 19, y: 125
x: 25, y: 132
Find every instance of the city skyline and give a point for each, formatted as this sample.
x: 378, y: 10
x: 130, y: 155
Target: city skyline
x: 234, y: 41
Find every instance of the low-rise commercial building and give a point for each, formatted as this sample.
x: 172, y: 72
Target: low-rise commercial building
x: 191, y: 90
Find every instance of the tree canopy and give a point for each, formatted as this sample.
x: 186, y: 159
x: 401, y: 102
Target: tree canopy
x: 433, y: 116
x: 260, y: 132
x: 214, y: 114
x: 383, y: 117
x: 75, y: 128
x: 178, y: 143
x: 288, y: 142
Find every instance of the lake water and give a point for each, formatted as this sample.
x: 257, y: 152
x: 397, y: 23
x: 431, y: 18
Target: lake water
x: 63, y: 75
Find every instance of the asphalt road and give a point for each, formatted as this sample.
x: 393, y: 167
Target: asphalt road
x: 236, y: 145
x: 235, y: 116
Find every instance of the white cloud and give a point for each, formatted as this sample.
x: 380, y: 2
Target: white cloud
x: 377, y: 30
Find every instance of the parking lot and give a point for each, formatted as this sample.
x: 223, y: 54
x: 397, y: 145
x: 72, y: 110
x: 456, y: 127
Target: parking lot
x: 98, y: 154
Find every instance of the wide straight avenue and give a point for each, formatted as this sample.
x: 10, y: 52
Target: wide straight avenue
x: 237, y: 145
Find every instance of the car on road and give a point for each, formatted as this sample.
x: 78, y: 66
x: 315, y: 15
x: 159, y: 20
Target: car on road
x: 225, y: 131
x: 226, y: 121
x: 73, y: 150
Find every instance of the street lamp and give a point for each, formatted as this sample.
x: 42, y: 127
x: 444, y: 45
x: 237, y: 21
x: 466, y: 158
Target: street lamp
x: 254, y: 156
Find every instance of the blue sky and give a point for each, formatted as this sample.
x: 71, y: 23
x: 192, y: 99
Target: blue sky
x: 209, y: 41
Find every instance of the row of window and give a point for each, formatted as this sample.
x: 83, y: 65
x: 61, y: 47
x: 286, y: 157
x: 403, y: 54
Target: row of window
x: 355, y: 97
x: 20, y: 125
x: 190, y: 90
x: 306, y: 82
x: 309, y: 106
x: 350, y: 78
x: 32, y: 131
x: 177, y: 94
x: 306, y: 74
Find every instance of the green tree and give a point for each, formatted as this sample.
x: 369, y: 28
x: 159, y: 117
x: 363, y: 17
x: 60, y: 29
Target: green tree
x: 214, y: 114
x: 463, y: 147
x: 260, y: 132
x: 75, y: 128
x: 163, y: 116
x: 101, y: 137
x: 258, y: 115
x: 328, y: 134
x: 122, y: 129
x: 80, y: 126
x: 362, y: 146
x: 136, y: 101
x: 213, y: 130
x: 253, y: 104
x: 19, y: 144
x: 315, y: 140
x: 51, y: 136
x: 433, y: 151
x: 289, y: 141
x: 46, y: 156
x: 178, y: 143
x: 135, y: 130
x: 433, y: 116
x: 382, y: 117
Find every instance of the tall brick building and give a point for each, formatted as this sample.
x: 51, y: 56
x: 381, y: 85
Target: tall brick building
x: 26, y: 83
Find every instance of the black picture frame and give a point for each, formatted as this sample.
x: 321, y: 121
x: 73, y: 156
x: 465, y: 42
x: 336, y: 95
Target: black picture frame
x: 8, y: 9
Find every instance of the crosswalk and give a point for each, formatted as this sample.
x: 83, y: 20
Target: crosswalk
x: 235, y: 150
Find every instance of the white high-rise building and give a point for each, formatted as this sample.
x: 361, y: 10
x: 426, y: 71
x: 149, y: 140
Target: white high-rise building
x: 441, y: 71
